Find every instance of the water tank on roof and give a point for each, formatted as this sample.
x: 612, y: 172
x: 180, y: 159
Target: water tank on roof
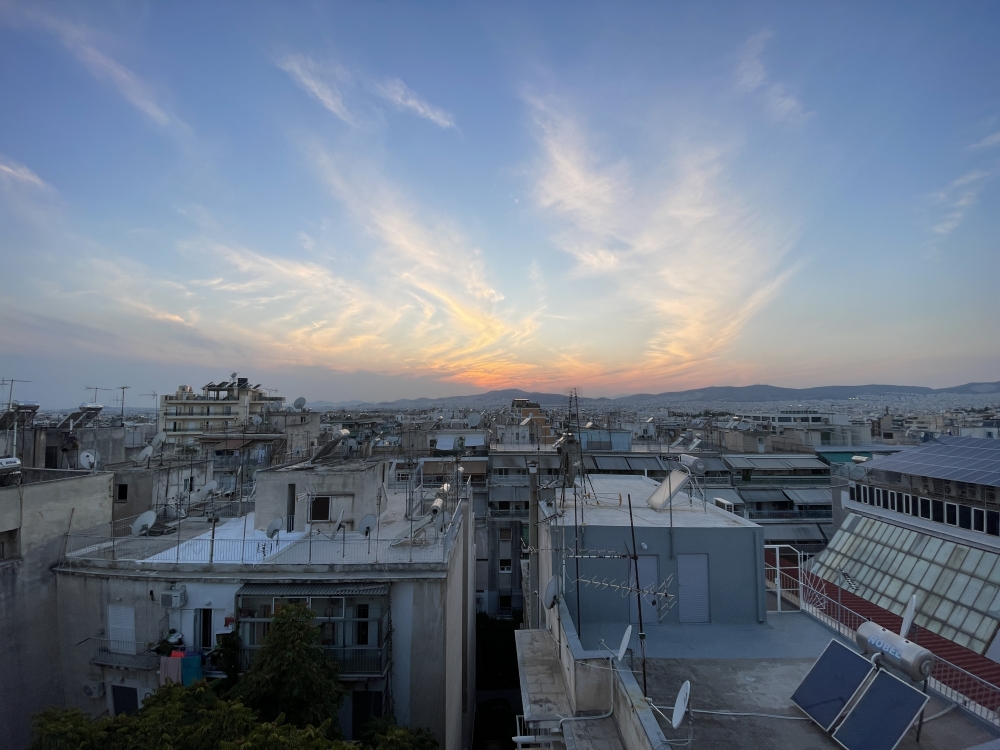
x: 695, y: 464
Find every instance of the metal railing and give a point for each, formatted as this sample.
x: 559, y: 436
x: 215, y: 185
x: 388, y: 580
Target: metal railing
x: 801, y: 589
x: 354, y: 661
x: 780, y: 481
x: 787, y: 515
x: 128, y: 654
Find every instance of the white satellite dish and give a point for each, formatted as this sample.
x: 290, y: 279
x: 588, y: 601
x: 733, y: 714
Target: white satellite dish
x: 474, y: 419
x: 210, y: 487
x: 257, y: 419
x: 625, y: 639
x: 367, y: 524
x: 275, y: 526
x: 233, y: 376
x: 145, y: 453
x: 551, y: 593
x: 299, y: 402
x: 87, y: 459
x: 911, y: 610
x: 144, y: 523
x: 158, y: 439
x: 339, y: 524
x: 681, y: 704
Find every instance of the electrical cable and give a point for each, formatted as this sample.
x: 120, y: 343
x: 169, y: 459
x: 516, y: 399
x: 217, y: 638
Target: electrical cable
x: 748, y: 713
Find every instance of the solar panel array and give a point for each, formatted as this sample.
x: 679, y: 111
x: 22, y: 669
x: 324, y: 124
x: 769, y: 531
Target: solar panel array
x: 831, y: 683
x: 971, y: 460
x: 882, y: 715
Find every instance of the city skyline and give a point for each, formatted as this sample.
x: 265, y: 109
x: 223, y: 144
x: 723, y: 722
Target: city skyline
x: 382, y: 202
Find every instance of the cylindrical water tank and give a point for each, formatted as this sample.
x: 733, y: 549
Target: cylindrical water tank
x: 437, y: 506
x: 915, y: 661
x: 695, y: 464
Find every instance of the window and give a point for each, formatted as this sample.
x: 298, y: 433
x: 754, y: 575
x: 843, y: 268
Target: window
x: 505, y: 535
x: 121, y: 493
x: 964, y: 517
x: 505, y: 565
x: 504, y: 601
x: 993, y: 522
x: 951, y: 514
x: 937, y: 511
x: 978, y: 519
x: 319, y: 509
x: 906, y: 505
x: 851, y: 490
x: 914, y: 506
x: 892, y: 501
x: 925, y: 508
x: 864, y: 494
x: 878, y: 496
x: 501, y: 472
x: 362, y: 625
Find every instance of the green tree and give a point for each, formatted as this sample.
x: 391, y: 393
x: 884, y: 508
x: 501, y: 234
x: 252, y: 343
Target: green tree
x: 383, y: 734
x: 292, y: 676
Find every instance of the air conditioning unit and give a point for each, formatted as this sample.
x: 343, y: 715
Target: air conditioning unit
x: 173, y: 598
x: 93, y: 689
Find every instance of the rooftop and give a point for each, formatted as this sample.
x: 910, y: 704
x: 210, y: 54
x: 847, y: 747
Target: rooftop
x: 605, y: 503
x: 960, y: 459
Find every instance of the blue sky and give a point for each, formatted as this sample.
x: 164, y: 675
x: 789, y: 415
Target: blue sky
x: 392, y: 200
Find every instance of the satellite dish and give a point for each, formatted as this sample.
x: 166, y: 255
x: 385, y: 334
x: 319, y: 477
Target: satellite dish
x: 474, y: 419
x: 625, y: 639
x: 911, y: 610
x: 299, y: 402
x: 275, y: 526
x: 257, y: 419
x: 158, y: 439
x: 551, y: 592
x: 340, y: 522
x: 367, y: 524
x: 144, y: 523
x: 211, y: 487
x: 145, y: 453
x: 681, y: 704
x: 233, y: 376
x: 87, y: 459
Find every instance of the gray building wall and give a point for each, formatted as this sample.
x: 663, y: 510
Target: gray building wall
x: 42, y: 513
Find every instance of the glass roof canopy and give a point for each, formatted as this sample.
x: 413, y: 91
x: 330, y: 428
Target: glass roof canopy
x: 957, y: 587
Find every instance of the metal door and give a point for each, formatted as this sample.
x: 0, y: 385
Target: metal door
x: 692, y: 588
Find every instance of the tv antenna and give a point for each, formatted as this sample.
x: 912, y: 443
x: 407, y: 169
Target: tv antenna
x: 95, y: 389
x: 10, y: 393
x: 123, y: 388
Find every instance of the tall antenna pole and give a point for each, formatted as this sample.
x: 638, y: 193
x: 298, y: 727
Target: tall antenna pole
x: 123, y: 388
x: 638, y: 597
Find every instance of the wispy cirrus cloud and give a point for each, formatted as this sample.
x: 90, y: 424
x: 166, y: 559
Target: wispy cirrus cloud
x: 14, y: 172
x: 752, y: 77
x: 957, y: 198
x: 691, y: 258
x: 402, y: 97
x: 319, y: 81
x: 82, y: 42
x: 990, y: 140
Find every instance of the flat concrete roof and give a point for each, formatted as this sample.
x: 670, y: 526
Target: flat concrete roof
x: 605, y: 503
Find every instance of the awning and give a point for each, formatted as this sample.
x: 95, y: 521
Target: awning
x: 612, y: 463
x: 764, y: 496
x: 445, y: 444
x: 796, y: 533
x: 645, y: 463
x: 500, y: 493
x: 713, y: 464
x: 588, y: 463
x: 806, y: 463
x: 227, y: 445
x: 547, y: 462
x: 507, y: 462
x: 314, y: 589
x: 474, y: 441
x: 810, y: 497
x: 434, y: 468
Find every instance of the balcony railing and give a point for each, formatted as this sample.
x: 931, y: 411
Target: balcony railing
x: 125, y: 654
x: 354, y: 661
x: 783, y: 481
x: 788, y: 515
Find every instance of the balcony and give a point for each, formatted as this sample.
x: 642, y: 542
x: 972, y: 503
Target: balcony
x: 123, y: 654
x: 788, y: 515
x: 354, y: 661
x: 783, y: 481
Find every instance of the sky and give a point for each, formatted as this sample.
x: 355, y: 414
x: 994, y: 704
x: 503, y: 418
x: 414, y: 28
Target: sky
x: 393, y: 200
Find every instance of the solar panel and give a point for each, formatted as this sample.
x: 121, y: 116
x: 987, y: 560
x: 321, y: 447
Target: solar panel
x: 881, y: 717
x: 831, y: 683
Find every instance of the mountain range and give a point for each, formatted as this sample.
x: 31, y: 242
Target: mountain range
x: 735, y: 394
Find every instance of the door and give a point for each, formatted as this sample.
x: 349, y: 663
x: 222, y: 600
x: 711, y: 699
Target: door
x: 692, y: 588
x: 121, y: 629
x: 125, y: 699
x: 647, y: 581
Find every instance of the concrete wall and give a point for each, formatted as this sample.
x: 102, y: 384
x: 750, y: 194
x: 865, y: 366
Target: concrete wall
x: 355, y: 490
x: 29, y: 633
x: 736, y: 588
x: 157, y: 486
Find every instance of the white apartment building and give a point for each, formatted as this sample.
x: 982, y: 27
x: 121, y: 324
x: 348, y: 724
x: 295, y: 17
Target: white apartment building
x: 221, y: 407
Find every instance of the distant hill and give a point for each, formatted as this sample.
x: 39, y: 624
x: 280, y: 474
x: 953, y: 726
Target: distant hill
x: 735, y: 394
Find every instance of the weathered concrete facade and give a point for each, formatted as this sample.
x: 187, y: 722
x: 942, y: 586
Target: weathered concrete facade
x: 35, y: 518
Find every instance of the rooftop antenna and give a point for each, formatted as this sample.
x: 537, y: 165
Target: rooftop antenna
x: 95, y: 389
x: 274, y: 527
x: 144, y: 455
x: 638, y: 596
x: 681, y: 704
x: 299, y: 402
x: 551, y: 593
x: 87, y: 459
x: 123, y: 388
